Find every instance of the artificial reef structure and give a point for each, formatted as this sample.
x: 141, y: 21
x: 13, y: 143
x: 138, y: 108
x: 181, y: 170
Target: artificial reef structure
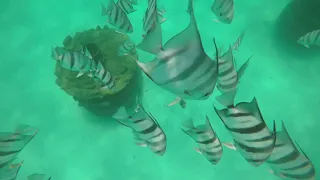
x: 103, y: 44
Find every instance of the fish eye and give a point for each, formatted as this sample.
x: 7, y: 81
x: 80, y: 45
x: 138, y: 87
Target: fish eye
x: 220, y: 14
x: 207, y: 94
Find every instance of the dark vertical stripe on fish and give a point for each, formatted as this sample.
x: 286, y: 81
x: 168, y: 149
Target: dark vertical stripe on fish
x: 255, y: 129
x: 149, y: 130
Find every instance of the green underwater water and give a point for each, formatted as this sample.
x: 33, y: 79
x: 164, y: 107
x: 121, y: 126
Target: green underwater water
x: 73, y: 144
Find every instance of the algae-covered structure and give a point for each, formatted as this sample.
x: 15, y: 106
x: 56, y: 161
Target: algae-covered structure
x: 103, y: 45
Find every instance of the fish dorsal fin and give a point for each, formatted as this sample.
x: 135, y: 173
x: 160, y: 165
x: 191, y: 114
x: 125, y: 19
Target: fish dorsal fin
x: 243, y: 67
x: 152, y: 42
x: 250, y: 107
x: 188, y: 37
x: 222, y: 114
x: 147, y: 67
x: 284, y: 136
x: 206, y: 126
x: 187, y: 126
x: 228, y: 56
x: 227, y: 99
x: 37, y: 176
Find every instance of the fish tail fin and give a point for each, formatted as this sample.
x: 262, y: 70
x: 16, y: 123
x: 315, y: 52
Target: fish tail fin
x: 227, y: 99
x: 152, y: 41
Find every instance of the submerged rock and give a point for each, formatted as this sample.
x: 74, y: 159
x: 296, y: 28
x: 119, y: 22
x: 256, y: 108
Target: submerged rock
x: 103, y: 44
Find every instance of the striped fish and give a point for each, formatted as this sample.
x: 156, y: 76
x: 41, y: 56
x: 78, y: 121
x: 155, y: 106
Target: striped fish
x: 10, y: 172
x: 126, y: 6
x: 311, y: 38
x: 127, y: 47
x: 287, y: 161
x: 11, y: 144
x: 181, y: 66
x: 223, y: 10
x: 251, y: 136
x: 228, y: 76
x: 117, y: 17
x: 237, y: 44
x: 37, y: 176
x: 104, y: 76
x: 146, y: 130
x: 150, y: 19
x: 77, y: 61
x: 207, y: 140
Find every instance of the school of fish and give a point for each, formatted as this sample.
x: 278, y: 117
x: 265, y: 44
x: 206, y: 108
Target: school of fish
x: 181, y: 67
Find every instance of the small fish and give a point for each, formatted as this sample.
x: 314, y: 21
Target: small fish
x: 10, y: 172
x: 181, y: 102
x: 104, y: 76
x: 207, y: 140
x: 287, y: 161
x: 117, y: 17
x: 311, y: 38
x: 228, y: 78
x: 251, y: 135
x: 150, y: 19
x: 224, y: 10
x: 145, y: 128
x: 37, y: 176
x: 126, y: 48
x: 181, y: 63
x: 11, y: 144
x: 126, y: 6
x: 77, y: 61
x: 237, y: 44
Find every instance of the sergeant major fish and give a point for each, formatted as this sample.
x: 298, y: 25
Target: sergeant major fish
x: 223, y: 10
x: 104, y: 76
x: 150, y: 19
x: 117, y: 17
x: 287, y: 161
x: 252, y: 138
x: 207, y: 140
x: 11, y: 144
x: 77, y: 61
x: 228, y: 77
x: 181, y: 66
x: 145, y: 128
x: 311, y: 38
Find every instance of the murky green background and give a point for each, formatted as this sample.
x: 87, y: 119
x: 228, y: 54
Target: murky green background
x: 72, y: 144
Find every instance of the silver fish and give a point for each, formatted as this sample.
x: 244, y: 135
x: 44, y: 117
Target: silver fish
x: 117, y: 17
x: 207, y: 140
x: 37, y: 176
x: 104, y: 76
x: 10, y: 172
x: 287, y: 161
x: 311, y: 38
x: 150, y: 19
x: 145, y: 128
x: 251, y: 136
x: 238, y: 42
x: 127, y: 47
x: 76, y: 61
x: 224, y: 10
x: 181, y: 66
x: 126, y: 6
x: 228, y: 78
x: 11, y: 144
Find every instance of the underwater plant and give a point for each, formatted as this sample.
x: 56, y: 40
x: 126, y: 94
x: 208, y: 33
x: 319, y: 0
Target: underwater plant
x: 103, y: 44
